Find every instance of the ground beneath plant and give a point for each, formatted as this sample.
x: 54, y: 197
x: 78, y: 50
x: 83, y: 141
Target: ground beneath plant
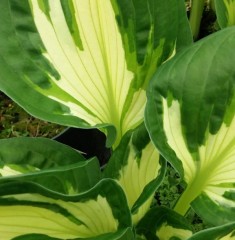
x: 15, y: 122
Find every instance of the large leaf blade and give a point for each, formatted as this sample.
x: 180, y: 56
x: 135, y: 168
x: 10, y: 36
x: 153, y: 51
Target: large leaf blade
x: 62, y: 55
x: 195, y: 122
x: 102, y: 209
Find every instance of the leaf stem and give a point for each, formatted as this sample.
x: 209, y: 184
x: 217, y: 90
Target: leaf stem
x: 196, y: 16
x: 193, y: 190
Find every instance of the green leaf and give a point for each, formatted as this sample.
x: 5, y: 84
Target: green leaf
x: 42, y: 153
x: 191, y: 119
x: 224, y: 232
x: 34, y: 237
x: 210, y: 208
x: 87, y: 63
x: 225, y: 12
x: 119, y: 235
x: 103, y: 209
x: 136, y: 166
x: 48, y: 163
x: 163, y: 223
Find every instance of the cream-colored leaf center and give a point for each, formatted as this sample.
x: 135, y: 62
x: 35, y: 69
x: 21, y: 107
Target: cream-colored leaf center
x: 96, y: 76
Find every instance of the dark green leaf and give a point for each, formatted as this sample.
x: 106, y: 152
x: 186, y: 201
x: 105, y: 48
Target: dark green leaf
x: 163, y: 223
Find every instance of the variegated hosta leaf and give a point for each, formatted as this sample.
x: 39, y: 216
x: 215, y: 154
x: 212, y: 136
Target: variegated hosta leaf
x: 163, y: 224
x: 125, y: 234
x: 208, y: 208
x: 136, y: 166
x: 191, y: 118
x: 48, y: 163
x: 225, y: 12
x: 224, y: 232
x: 86, y: 63
x: 26, y: 208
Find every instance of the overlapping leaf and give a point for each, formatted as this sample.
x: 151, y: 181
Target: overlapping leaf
x: 224, y: 232
x: 48, y: 163
x: 48, y: 191
x: 193, y: 99
x: 225, y: 12
x: 126, y: 234
x: 136, y: 166
x: 27, y: 208
x: 163, y: 223
x: 86, y: 63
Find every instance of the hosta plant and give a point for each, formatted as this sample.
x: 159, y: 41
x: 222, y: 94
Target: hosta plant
x: 49, y: 191
x: 88, y: 64
x: 192, y: 97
